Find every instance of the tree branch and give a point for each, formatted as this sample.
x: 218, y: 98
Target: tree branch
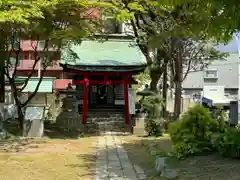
x: 36, y: 89
x: 29, y: 75
x: 37, y: 59
x: 188, y: 69
x: 45, y: 65
x: 17, y: 60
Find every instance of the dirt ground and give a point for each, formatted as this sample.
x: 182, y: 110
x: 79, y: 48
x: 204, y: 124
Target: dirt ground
x: 59, y: 159
x: 48, y: 159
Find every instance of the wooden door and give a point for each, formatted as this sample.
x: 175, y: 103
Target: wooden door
x: 93, y: 94
x: 110, y: 94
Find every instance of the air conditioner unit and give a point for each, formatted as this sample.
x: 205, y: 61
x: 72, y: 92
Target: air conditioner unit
x: 127, y: 28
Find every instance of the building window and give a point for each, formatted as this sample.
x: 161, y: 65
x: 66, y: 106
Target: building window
x: 14, y: 43
x: 41, y: 44
x: 13, y: 59
x: 211, y: 74
x: 45, y: 61
x: 20, y: 59
x: 127, y: 28
x: 111, y: 26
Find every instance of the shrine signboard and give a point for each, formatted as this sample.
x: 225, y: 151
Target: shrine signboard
x: 34, y: 112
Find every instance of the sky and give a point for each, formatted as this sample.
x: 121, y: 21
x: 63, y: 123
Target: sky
x: 231, y: 47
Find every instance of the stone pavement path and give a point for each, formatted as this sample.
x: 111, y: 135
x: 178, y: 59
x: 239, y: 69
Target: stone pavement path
x: 112, y: 160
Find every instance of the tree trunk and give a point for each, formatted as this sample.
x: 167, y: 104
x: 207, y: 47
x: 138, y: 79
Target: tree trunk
x: 177, y: 100
x: 164, y: 92
x: 156, y: 69
x: 178, y: 82
x: 20, y: 118
x: 18, y: 104
x: 155, y: 76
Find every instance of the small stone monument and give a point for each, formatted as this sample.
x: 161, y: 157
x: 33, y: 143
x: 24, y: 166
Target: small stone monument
x: 70, y: 98
x: 34, y: 122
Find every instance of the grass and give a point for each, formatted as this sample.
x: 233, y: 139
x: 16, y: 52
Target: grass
x: 139, y: 154
x: 48, y: 159
x: 211, y: 167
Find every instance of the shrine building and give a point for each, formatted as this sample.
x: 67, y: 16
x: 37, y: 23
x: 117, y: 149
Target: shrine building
x: 102, y: 72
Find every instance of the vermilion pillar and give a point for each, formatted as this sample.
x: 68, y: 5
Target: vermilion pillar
x: 127, y: 115
x: 85, y: 101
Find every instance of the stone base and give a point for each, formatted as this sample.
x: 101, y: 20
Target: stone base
x: 34, y: 128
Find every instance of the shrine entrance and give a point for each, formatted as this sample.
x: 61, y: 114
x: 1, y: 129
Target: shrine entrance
x: 101, y: 94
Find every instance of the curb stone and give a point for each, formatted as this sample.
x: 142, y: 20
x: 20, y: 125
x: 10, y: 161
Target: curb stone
x: 162, y: 167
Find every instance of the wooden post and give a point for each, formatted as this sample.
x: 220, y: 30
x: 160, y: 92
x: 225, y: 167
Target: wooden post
x: 106, y: 79
x: 127, y: 115
x: 85, y: 101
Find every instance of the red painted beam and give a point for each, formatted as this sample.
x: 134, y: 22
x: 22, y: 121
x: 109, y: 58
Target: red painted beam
x: 85, y: 101
x: 84, y: 73
x: 107, y: 82
x: 127, y: 115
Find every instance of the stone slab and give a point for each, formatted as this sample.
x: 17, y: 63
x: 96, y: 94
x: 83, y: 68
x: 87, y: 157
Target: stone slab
x: 126, y: 165
x: 170, y: 173
x: 113, y: 158
x: 160, y: 163
x: 138, y: 169
x: 113, y: 162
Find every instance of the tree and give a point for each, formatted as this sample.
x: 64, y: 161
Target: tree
x: 166, y: 28
x: 153, y: 22
x: 188, y: 55
x: 223, y: 16
x: 54, y: 22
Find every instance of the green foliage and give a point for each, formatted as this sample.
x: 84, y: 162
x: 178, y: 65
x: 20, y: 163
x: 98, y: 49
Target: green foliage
x: 191, y: 134
x: 153, y: 124
x: 151, y: 105
x: 143, y: 78
x: 228, y: 143
x: 222, y: 120
x: 153, y: 127
x: 50, y: 23
x: 173, y: 27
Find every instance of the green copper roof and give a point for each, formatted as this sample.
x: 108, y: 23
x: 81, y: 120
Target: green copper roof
x: 46, y: 85
x: 107, y: 53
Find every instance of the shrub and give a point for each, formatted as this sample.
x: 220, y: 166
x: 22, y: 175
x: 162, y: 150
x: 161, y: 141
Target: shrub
x: 153, y: 127
x: 191, y: 134
x: 222, y: 120
x: 153, y: 123
x: 228, y: 143
x: 151, y: 105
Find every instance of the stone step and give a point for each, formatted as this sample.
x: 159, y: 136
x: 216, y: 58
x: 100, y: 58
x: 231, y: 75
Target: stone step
x: 91, y: 115
x: 105, y: 112
x: 105, y: 120
x: 106, y: 109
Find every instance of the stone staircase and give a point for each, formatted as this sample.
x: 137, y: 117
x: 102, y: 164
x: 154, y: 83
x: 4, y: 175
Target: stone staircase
x: 98, y: 118
x: 105, y: 118
x: 105, y: 114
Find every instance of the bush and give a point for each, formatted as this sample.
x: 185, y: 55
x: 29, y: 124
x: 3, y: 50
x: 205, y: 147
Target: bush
x: 153, y: 123
x: 222, y: 120
x: 228, y: 143
x: 191, y: 134
x: 153, y: 127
